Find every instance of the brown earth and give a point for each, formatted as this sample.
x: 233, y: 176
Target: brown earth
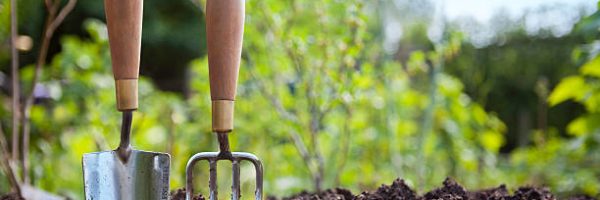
x: 11, y: 196
x: 179, y: 194
x: 450, y: 190
x: 398, y: 190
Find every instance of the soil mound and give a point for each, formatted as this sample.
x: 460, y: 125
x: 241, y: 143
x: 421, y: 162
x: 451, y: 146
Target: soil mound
x: 450, y: 190
x: 399, y: 190
x: 11, y: 196
x: 337, y: 194
x: 179, y: 194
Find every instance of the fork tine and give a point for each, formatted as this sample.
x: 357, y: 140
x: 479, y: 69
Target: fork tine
x: 258, y: 167
x: 212, y: 180
x: 235, y: 187
x: 259, y: 179
x: 213, y: 158
x: 189, y: 171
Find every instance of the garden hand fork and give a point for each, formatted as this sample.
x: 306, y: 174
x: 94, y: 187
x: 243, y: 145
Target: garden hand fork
x: 224, y: 32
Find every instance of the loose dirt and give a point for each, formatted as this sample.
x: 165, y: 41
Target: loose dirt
x: 11, y: 196
x: 582, y: 197
x: 179, y: 194
x: 399, y: 190
x: 450, y: 190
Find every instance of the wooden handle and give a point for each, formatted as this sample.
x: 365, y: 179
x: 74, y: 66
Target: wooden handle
x: 224, y: 32
x: 124, y: 22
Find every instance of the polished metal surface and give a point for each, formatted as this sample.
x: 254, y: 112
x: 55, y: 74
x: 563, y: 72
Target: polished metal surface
x: 235, y: 158
x: 145, y: 175
x: 124, y: 173
x: 223, y: 154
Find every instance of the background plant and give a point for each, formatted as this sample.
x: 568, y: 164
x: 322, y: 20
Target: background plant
x: 321, y: 101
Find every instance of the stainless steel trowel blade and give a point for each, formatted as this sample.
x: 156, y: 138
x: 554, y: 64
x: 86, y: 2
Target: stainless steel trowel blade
x: 145, y: 175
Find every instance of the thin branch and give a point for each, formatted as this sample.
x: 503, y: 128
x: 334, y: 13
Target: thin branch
x: 345, y: 144
x: 5, y: 162
x: 298, y: 142
x: 15, y: 80
x: 48, y: 4
x: 314, y: 125
x: 313, y: 128
x: 284, y: 113
x: 302, y: 150
x: 296, y: 138
x: 62, y: 15
x: 52, y: 22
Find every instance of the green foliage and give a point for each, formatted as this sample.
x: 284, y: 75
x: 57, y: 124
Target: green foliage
x: 80, y: 116
x: 583, y: 88
x: 316, y: 86
x: 359, y: 120
x: 568, y: 164
x: 506, y: 77
x: 317, y: 103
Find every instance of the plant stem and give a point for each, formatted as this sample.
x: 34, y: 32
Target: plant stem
x: 15, y: 80
x: 6, y: 166
x: 345, y: 144
x: 52, y: 22
x: 287, y: 115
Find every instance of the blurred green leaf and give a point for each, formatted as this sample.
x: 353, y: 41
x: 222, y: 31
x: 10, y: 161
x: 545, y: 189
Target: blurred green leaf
x: 592, y: 67
x: 572, y: 87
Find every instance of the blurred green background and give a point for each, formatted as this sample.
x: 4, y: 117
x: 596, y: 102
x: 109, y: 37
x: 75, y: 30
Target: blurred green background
x: 332, y: 93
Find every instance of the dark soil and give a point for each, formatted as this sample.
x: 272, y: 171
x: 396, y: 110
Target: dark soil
x: 337, y: 194
x: 531, y: 193
x: 11, y: 196
x: 179, y: 194
x: 497, y: 193
x: 450, y: 190
x: 582, y: 197
x: 398, y: 190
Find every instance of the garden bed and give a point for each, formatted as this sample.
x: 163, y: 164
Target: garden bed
x: 398, y: 190
x: 11, y: 196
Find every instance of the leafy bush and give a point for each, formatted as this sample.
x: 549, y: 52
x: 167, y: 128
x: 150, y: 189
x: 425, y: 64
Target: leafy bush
x: 319, y: 102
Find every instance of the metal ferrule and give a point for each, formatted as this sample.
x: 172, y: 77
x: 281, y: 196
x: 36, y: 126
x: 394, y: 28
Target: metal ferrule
x: 127, y: 94
x: 222, y: 116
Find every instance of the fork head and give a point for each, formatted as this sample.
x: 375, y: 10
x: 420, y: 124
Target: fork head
x: 213, y: 158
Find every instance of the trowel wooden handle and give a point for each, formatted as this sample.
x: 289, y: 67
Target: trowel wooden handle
x: 124, y: 22
x: 224, y: 32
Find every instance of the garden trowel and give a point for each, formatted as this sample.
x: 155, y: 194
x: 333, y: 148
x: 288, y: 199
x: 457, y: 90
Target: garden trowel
x: 224, y: 32
x: 125, y: 173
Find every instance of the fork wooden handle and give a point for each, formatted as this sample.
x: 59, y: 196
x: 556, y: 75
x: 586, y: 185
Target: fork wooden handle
x: 224, y: 32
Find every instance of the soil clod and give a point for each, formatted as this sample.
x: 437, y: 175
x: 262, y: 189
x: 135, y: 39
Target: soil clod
x: 497, y: 193
x: 582, y: 197
x: 450, y: 191
x: 11, y: 196
x: 179, y: 194
x: 397, y: 191
x: 532, y: 193
x: 330, y: 194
